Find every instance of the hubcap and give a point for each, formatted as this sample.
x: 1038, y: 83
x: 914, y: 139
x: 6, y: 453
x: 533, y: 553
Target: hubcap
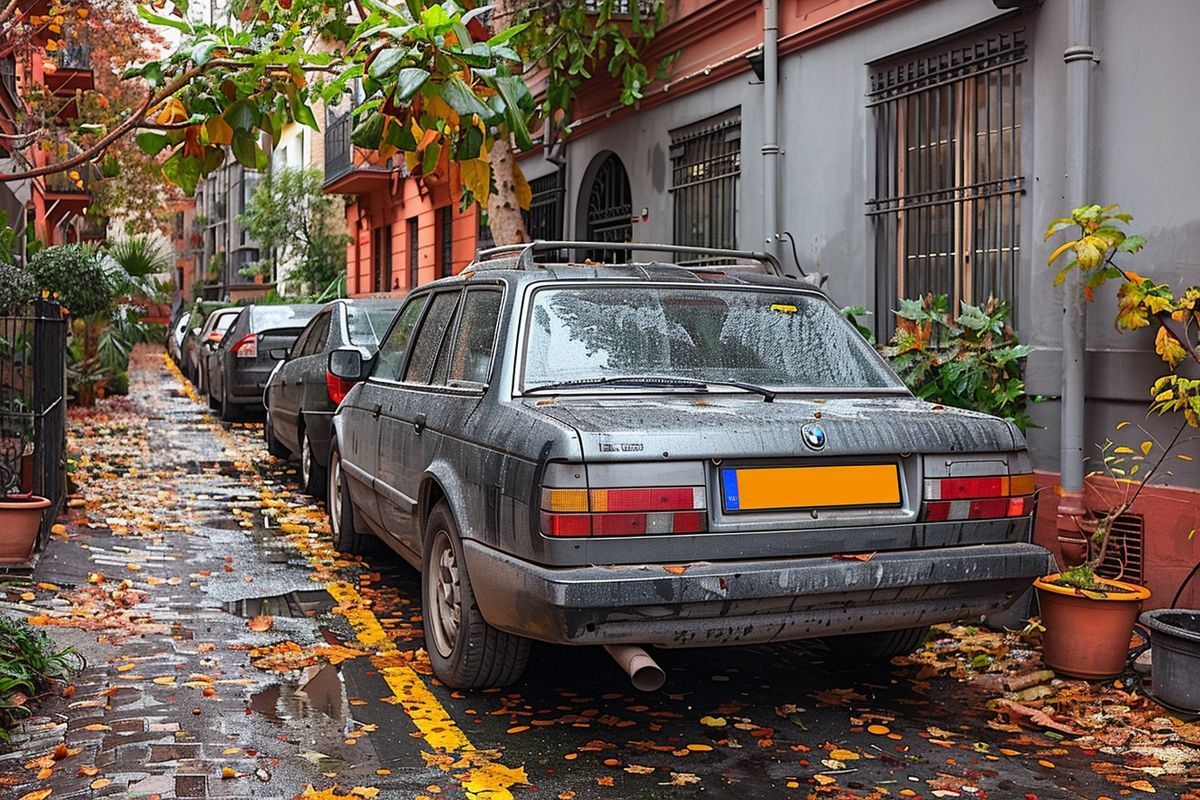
x: 335, y: 494
x: 444, y: 600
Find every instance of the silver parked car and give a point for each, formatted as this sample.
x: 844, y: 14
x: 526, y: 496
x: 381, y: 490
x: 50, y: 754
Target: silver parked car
x: 301, y: 395
x: 659, y: 454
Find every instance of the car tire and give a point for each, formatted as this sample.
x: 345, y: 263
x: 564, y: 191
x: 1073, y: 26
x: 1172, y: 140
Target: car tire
x: 312, y: 474
x: 274, y: 446
x: 880, y: 646
x: 346, y: 537
x: 465, y: 651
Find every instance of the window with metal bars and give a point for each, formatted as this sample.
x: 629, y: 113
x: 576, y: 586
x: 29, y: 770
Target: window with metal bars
x: 544, y: 219
x: 414, y: 254
x: 445, y: 229
x: 948, y: 172
x: 1123, y: 559
x: 381, y: 257
x: 706, y: 163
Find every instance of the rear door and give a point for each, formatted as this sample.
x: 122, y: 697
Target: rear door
x: 361, y: 414
x: 405, y: 416
x: 288, y: 387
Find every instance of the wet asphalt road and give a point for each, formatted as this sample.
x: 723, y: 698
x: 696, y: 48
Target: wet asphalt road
x: 194, y: 513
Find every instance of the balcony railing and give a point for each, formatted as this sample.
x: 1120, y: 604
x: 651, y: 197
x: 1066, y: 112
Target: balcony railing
x: 339, y: 153
x: 65, y: 183
x: 74, y: 56
x: 8, y: 75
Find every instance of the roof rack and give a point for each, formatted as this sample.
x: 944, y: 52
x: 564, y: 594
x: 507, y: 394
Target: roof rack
x: 521, y: 256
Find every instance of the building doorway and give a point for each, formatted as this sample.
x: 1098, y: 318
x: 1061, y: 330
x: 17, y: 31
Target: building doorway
x: 608, y: 208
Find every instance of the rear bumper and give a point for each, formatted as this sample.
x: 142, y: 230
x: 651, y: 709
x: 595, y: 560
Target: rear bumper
x: 246, y: 384
x: 748, y: 602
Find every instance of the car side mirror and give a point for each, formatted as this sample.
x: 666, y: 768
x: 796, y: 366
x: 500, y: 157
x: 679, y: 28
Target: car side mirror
x: 347, y: 363
x: 279, y: 353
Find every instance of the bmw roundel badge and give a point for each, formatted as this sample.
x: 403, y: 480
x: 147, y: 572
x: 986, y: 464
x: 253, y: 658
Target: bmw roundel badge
x: 814, y: 436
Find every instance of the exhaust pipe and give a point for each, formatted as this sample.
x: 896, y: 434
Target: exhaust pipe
x: 643, y: 671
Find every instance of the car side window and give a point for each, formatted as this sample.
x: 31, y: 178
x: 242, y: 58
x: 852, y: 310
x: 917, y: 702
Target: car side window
x: 301, y: 342
x: 392, y: 350
x: 471, y: 358
x: 429, y: 339
x: 316, y: 336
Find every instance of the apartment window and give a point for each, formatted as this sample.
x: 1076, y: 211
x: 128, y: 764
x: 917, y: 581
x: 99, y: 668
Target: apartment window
x: 445, y: 228
x: 381, y: 257
x: 706, y: 162
x: 948, y: 174
x: 414, y: 254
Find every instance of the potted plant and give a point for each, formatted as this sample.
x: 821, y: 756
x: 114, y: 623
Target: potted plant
x: 1088, y: 620
x: 20, y: 512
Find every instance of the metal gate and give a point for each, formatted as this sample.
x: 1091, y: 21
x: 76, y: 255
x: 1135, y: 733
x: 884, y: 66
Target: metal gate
x: 609, y: 209
x: 33, y: 414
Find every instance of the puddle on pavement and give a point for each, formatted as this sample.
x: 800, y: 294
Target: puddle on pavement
x: 298, y: 604
x: 320, y: 693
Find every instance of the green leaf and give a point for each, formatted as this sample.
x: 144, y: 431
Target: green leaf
x: 203, y: 50
x: 387, y: 60
x: 507, y: 34
x: 245, y: 149
x: 241, y: 116
x: 1062, y: 223
x: 432, y: 153
x: 151, y: 143
x: 507, y: 86
x: 460, y: 97
x: 1132, y: 244
x: 152, y: 72
x: 304, y: 115
x: 170, y: 22
x: 408, y: 82
x: 368, y: 131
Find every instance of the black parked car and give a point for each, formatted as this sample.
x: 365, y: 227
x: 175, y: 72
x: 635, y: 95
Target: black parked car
x: 236, y: 372
x: 301, y: 395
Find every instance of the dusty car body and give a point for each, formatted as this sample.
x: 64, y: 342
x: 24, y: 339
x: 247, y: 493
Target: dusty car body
x: 667, y: 455
x: 236, y: 371
x: 301, y: 395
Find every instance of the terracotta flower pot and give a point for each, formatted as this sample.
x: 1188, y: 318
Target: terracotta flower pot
x: 20, y: 521
x: 1087, y: 634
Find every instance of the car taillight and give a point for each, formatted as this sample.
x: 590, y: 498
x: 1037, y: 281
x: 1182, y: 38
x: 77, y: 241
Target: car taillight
x: 214, y: 336
x: 977, y: 497
x: 623, y: 512
x: 247, y: 346
x: 337, y: 387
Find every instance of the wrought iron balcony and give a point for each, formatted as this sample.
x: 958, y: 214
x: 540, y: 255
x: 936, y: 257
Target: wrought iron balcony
x: 8, y: 75
x: 344, y: 173
x: 74, y: 56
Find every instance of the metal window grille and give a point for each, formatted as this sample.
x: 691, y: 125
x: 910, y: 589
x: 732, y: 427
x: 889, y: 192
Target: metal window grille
x: 414, y: 254
x: 445, y: 226
x: 381, y: 257
x: 948, y: 174
x: 1123, y: 561
x: 544, y: 219
x: 706, y: 164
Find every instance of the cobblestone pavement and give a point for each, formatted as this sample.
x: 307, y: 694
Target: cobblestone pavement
x: 232, y: 653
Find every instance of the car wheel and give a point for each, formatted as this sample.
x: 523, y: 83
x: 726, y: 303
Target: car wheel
x: 346, y: 537
x: 274, y: 446
x: 312, y: 475
x: 879, y: 646
x: 465, y: 651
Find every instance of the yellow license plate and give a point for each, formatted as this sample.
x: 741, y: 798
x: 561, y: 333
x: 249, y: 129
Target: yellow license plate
x: 780, y: 488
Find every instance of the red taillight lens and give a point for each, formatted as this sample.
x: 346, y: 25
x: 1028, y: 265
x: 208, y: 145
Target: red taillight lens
x: 623, y: 512
x: 337, y: 387
x: 987, y: 497
x: 247, y: 346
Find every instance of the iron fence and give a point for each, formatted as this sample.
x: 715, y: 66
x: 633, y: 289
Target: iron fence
x: 33, y: 415
x: 339, y: 157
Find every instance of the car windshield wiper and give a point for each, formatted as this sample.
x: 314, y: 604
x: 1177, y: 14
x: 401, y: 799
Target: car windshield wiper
x: 653, y: 380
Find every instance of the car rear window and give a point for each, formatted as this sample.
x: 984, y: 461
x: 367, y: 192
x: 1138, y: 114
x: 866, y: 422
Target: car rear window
x: 225, y: 322
x: 265, y: 317
x: 368, y: 325
x: 768, y: 337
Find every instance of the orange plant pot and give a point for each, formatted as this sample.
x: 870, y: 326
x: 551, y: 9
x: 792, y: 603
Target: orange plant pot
x: 1087, y: 634
x: 20, y: 521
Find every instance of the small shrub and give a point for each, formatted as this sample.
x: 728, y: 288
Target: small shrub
x: 970, y: 361
x: 29, y: 661
x: 17, y: 287
x: 81, y: 279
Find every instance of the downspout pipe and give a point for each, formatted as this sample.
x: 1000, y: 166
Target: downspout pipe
x: 770, y: 147
x: 1079, y: 57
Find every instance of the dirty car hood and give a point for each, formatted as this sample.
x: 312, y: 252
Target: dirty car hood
x: 691, y: 426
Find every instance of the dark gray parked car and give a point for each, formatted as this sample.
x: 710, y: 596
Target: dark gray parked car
x: 236, y: 372
x: 301, y: 395
x: 676, y: 456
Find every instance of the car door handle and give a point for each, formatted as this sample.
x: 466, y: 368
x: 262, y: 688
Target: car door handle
x: 299, y: 381
x: 419, y: 423
x: 375, y: 409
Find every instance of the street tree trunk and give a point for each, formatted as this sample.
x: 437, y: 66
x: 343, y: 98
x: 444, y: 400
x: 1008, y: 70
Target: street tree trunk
x: 504, y: 212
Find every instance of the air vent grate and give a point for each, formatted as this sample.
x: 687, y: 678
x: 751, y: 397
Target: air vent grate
x: 1124, y: 558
